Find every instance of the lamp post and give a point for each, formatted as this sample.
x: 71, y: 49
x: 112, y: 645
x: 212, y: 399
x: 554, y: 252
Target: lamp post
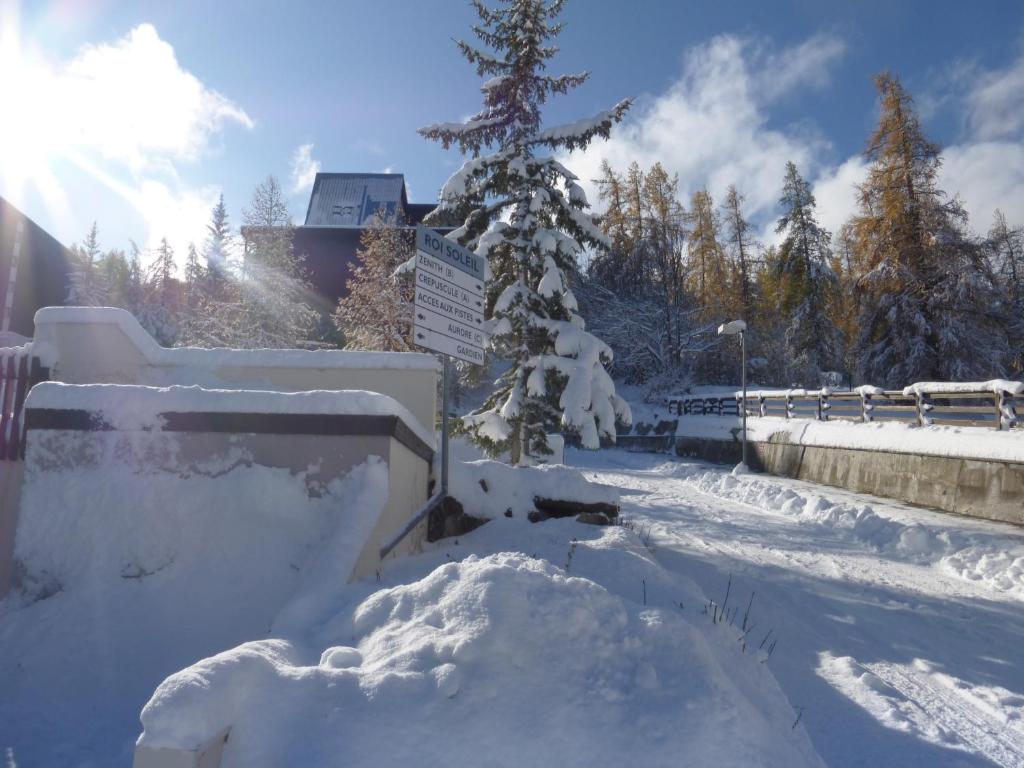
x: 731, y: 329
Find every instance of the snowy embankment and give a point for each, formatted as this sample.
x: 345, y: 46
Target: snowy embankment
x: 999, y: 564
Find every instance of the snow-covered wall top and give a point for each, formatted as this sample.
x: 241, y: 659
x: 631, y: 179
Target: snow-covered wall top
x: 138, y: 407
x: 101, y: 345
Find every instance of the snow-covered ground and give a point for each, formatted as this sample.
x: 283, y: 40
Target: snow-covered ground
x: 899, y: 629
x: 894, y: 638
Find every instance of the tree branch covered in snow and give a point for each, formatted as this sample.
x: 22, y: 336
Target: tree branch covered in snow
x: 526, y: 214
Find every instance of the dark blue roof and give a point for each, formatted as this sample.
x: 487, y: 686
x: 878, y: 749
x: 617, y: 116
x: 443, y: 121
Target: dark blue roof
x: 351, y: 199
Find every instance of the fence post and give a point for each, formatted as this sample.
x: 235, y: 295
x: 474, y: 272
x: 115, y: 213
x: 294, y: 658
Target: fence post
x: 823, y: 405
x: 865, y: 406
x: 924, y: 406
x: 762, y: 405
x: 789, y: 405
x: 1006, y: 413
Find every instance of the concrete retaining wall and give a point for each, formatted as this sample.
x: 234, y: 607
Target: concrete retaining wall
x: 993, y: 490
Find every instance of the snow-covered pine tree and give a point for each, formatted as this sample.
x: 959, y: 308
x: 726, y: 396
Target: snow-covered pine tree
x: 525, y: 212
x: 377, y: 312
x: 813, y: 343
x: 925, y: 298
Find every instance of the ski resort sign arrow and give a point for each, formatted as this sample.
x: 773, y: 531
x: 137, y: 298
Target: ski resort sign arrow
x: 448, y: 313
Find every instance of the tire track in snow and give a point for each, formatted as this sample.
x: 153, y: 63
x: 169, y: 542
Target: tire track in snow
x: 916, y: 698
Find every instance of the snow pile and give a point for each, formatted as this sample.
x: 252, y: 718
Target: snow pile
x: 503, y: 660
x: 997, y: 563
x: 490, y: 489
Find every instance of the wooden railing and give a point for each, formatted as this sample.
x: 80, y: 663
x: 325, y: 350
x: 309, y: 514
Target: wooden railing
x: 19, y: 372
x: 996, y: 408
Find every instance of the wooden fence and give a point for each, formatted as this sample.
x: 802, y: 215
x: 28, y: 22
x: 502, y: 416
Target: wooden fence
x: 996, y: 409
x: 19, y: 372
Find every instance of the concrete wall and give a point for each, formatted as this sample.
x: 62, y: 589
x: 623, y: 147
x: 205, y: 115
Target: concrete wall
x: 86, y: 345
x: 408, y: 476
x: 993, y: 490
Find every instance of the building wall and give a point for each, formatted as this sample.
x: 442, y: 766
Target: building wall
x: 43, y: 268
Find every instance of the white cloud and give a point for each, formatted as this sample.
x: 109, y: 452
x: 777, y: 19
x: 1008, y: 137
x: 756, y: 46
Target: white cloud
x: 995, y: 103
x: 128, y: 112
x: 712, y: 127
x: 304, y: 168
x: 986, y: 175
x: 835, y: 192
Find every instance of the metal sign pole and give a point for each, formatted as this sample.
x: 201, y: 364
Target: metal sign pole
x: 444, y: 423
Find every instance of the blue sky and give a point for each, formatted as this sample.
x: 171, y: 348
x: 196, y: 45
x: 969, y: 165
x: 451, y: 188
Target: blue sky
x: 139, y: 114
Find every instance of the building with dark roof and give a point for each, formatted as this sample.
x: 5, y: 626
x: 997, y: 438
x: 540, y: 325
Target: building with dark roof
x: 34, y: 270
x: 341, y: 206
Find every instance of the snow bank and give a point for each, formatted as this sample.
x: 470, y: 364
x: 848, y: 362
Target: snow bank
x: 489, y: 489
x: 498, y: 660
x: 950, y: 441
x: 994, y: 561
x: 130, y: 406
x: 960, y: 387
x: 130, y: 574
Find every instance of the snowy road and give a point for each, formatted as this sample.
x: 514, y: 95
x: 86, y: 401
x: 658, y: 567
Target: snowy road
x: 900, y: 631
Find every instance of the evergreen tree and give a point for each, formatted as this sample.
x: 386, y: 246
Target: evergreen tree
x: 87, y: 285
x: 377, y: 312
x: 707, y: 269
x: 216, y: 250
x: 1005, y: 245
x: 924, y: 297
x: 843, y: 308
x: 557, y: 373
x: 160, y: 312
x: 195, y: 279
x: 741, y: 251
x: 813, y: 343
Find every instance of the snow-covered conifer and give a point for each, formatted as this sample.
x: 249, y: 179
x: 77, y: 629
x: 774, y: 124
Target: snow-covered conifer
x: 813, y: 343
x: 526, y: 213
x: 925, y: 298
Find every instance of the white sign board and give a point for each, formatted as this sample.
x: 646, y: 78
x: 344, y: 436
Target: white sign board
x: 448, y: 312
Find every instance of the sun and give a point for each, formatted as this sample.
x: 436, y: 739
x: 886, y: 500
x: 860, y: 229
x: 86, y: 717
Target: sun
x: 32, y: 126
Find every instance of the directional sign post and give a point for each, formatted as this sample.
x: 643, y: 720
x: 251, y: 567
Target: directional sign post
x: 448, y: 312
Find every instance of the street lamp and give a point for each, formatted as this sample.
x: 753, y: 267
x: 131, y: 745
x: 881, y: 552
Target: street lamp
x: 731, y: 329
